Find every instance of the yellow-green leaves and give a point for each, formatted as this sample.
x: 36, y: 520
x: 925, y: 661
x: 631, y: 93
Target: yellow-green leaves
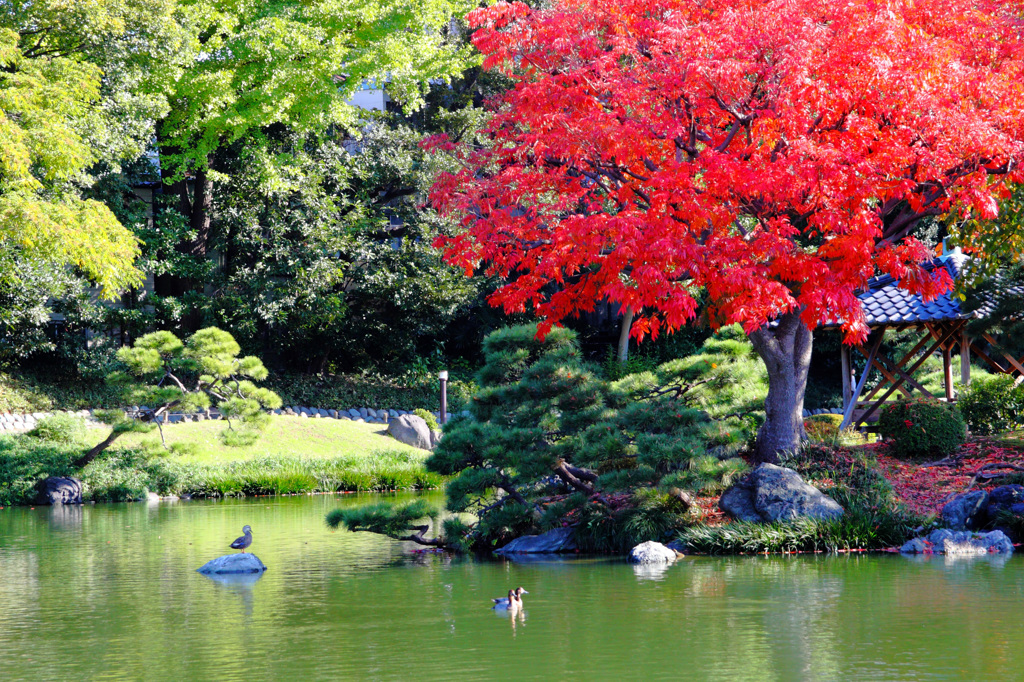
x: 43, y: 103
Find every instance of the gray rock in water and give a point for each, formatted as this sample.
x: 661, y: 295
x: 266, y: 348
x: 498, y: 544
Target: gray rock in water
x: 915, y: 546
x: 651, y: 553
x: 959, y: 512
x: 552, y: 542
x: 59, y: 490
x: 959, y: 542
x: 774, y: 493
x: 411, y: 430
x: 233, y: 563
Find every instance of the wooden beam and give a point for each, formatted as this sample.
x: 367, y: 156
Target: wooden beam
x: 913, y: 352
x: 844, y: 358
x: 938, y: 343
x: 895, y: 369
x: 848, y: 412
x: 947, y: 372
x: 1012, y: 360
x: 965, y: 358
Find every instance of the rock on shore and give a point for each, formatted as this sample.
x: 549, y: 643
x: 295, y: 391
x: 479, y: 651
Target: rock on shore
x: 774, y: 493
x: 552, y: 542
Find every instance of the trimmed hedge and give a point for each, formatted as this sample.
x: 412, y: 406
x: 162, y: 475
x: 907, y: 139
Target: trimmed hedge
x: 922, y: 428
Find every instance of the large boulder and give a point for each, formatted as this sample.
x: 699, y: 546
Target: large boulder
x: 233, y: 564
x: 651, y: 553
x: 774, y: 493
x: 552, y: 542
x: 738, y: 502
x: 59, y: 490
x: 411, y: 430
x: 962, y: 512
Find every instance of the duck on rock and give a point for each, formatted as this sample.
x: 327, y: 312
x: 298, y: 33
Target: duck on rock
x: 244, y: 541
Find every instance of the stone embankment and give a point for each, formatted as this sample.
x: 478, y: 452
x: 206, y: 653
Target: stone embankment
x: 20, y: 423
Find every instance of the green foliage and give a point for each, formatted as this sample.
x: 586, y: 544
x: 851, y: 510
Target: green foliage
x: 544, y: 423
x: 164, y: 373
x: 823, y: 428
x: 383, y: 517
x: 922, y: 428
x: 854, y: 530
x: 371, y: 390
x: 429, y: 418
x: 64, y: 429
x: 132, y: 473
x: 992, y: 405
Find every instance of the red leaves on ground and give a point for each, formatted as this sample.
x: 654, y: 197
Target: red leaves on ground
x: 924, y: 489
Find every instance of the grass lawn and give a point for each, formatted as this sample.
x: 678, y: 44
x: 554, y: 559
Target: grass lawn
x: 284, y: 437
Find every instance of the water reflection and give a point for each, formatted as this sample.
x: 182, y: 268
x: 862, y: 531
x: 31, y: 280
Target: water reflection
x: 66, y: 516
x: 239, y: 584
x: 111, y: 590
x: 650, y: 571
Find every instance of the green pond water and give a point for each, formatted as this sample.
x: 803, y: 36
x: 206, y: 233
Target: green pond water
x: 110, y: 592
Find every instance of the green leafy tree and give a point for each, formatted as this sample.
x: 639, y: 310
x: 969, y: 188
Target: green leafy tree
x: 248, y: 66
x: 163, y: 374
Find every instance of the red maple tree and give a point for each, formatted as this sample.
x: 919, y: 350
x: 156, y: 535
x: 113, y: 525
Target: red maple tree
x: 773, y: 154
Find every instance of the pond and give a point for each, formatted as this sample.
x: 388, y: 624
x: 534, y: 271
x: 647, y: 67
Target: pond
x: 110, y: 592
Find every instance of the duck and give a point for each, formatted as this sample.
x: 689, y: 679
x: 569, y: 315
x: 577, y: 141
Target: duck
x: 244, y: 541
x: 513, y: 600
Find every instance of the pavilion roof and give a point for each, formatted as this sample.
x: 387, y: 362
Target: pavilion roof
x: 885, y: 303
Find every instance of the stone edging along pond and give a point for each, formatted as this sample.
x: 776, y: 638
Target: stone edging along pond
x: 20, y: 423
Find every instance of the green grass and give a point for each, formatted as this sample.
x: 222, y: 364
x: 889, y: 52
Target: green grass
x: 293, y: 456
x: 289, y: 437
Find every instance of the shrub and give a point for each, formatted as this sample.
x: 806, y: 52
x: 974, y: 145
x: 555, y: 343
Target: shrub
x: 60, y: 428
x: 429, y: 418
x: 992, y: 405
x: 922, y: 428
x: 853, y: 530
x: 823, y: 428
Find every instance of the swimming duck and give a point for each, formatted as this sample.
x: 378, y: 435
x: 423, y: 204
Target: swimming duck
x: 513, y: 600
x: 244, y: 541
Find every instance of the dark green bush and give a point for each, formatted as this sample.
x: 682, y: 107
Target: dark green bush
x: 992, y: 405
x: 922, y: 428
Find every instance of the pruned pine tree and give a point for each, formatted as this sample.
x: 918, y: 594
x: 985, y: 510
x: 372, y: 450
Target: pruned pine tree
x: 162, y: 374
x: 551, y: 443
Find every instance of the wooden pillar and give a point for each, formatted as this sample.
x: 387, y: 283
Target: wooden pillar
x: 844, y: 356
x: 965, y: 357
x: 947, y: 369
x: 848, y: 412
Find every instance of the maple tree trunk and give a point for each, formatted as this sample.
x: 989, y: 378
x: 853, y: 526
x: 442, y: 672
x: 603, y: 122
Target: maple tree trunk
x: 786, y: 352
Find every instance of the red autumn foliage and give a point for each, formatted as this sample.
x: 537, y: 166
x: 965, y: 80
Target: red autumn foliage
x: 774, y: 153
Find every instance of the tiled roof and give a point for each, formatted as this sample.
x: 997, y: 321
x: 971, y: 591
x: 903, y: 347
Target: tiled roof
x: 886, y: 303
